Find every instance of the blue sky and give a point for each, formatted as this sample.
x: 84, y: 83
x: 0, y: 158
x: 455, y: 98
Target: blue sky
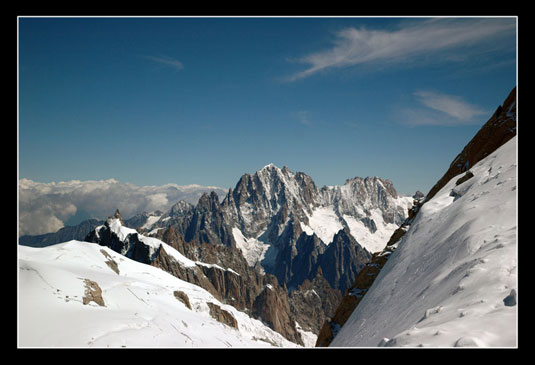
x: 152, y: 101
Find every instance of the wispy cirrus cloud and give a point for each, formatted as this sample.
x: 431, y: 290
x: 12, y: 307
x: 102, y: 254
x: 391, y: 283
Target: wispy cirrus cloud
x: 167, y: 61
x: 451, y: 105
x: 304, y: 117
x: 436, y: 39
x: 434, y: 108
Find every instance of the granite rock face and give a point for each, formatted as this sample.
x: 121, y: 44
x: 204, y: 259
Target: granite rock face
x: 314, y: 302
x: 272, y: 306
x: 343, y: 259
x: 500, y: 128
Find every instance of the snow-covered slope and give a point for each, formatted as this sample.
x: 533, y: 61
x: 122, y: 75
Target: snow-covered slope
x: 140, y: 307
x: 453, y: 279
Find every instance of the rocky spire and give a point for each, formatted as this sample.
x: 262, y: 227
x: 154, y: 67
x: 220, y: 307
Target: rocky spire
x: 117, y: 215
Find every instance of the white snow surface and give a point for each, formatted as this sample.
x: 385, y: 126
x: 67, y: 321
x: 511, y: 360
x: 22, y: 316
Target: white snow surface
x: 140, y: 308
x: 376, y: 241
x: 446, y: 283
x: 150, y: 221
x: 324, y: 223
x: 253, y: 250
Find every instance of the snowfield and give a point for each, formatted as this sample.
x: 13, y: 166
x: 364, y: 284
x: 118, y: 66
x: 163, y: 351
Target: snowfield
x: 140, y: 307
x: 376, y: 241
x: 452, y: 282
x: 253, y: 250
x: 324, y: 223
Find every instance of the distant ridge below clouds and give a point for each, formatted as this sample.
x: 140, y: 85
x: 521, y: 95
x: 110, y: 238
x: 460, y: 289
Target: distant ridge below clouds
x: 46, y: 207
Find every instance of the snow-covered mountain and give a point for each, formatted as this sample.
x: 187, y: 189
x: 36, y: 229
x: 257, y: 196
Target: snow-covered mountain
x: 268, y: 212
x: 80, y: 294
x: 453, y: 279
x: 262, y: 204
x: 268, y: 265
x: 219, y: 269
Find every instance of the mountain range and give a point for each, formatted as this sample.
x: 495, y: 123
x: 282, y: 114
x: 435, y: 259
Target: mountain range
x: 274, y: 228
x: 281, y: 262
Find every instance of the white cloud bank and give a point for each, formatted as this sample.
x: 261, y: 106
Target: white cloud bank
x: 415, y: 42
x: 45, y: 207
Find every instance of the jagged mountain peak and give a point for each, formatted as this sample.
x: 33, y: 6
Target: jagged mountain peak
x: 180, y: 208
x: 209, y: 200
x: 272, y: 171
x: 269, y: 166
x: 369, y: 180
x: 116, y: 215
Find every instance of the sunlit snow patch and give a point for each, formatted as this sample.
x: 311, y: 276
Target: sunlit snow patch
x: 324, y: 223
x: 253, y: 250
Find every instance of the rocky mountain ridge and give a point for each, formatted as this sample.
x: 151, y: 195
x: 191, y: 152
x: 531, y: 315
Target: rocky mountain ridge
x: 284, y: 210
x: 240, y: 286
x: 278, y: 219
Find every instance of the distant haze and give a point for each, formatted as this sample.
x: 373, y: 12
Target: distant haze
x: 47, y: 207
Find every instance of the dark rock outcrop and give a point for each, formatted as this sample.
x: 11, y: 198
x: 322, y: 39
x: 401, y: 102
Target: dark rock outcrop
x: 500, y: 128
x: 222, y: 315
x: 342, y: 260
x: 352, y: 297
x: 92, y: 293
x: 272, y: 307
x: 467, y: 176
x: 183, y: 297
x: 192, y: 275
x: 313, y: 302
x: 112, y: 264
x: 130, y: 246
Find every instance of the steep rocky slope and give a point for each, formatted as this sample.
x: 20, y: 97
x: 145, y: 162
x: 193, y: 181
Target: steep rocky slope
x: 452, y: 281
x: 500, y: 128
